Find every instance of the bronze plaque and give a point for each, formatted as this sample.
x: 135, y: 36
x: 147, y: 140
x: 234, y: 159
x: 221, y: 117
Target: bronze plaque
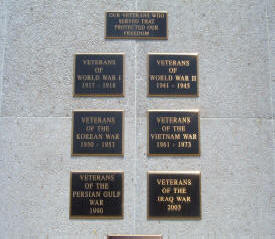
x: 98, y: 74
x: 96, y: 195
x: 134, y: 237
x: 173, y: 74
x: 97, y: 133
x: 174, y: 195
x: 136, y: 25
x: 173, y: 133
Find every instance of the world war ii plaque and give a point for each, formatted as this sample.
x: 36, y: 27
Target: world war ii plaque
x: 96, y: 195
x: 174, y: 195
x: 173, y: 74
x: 136, y: 25
x: 98, y: 74
x: 134, y: 237
x: 97, y: 133
x: 173, y: 133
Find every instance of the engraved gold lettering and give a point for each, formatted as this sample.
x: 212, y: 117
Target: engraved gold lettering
x: 94, y: 202
x: 173, y: 120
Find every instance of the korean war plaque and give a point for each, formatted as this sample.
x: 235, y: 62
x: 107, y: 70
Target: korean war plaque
x: 173, y: 133
x: 97, y: 133
x: 136, y: 25
x: 96, y: 195
x: 134, y: 237
x: 174, y: 195
x: 173, y: 74
x: 98, y: 74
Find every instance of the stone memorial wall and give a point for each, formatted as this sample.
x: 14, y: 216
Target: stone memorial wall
x: 137, y: 119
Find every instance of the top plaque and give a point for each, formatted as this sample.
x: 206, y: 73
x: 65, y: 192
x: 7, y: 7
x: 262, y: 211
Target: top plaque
x: 136, y: 25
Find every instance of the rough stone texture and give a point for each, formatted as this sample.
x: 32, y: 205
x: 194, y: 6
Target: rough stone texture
x: 42, y: 38
x: 233, y: 77
x: 2, y: 43
x: 35, y: 165
x: 235, y: 162
x: 235, y: 40
x: 271, y: 32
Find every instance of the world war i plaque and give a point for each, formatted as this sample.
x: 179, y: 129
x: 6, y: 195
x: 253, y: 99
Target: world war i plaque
x: 173, y: 74
x: 96, y: 195
x: 174, y: 195
x: 98, y: 74
x: 134, y: 237
x: 173, y: 133
x: 136, y: 25
x: 97, y: 133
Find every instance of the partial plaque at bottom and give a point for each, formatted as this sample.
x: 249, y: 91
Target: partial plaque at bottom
x: 96, y: 195
x: 174, y: 195
x: 134, y: 237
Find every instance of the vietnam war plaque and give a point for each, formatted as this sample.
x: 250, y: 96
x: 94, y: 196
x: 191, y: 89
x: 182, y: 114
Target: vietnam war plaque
x: 174, y: 195
x: 173, y: 133
x: 97, y: 133
x: 98, y: 74
x: 134, y: 237
x: 172, y: 74
x: 136, y: 25
x: 96, y: 195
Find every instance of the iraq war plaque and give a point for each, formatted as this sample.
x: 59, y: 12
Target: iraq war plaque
x: 134, y: 237
x: 96, y: 195
x: 98, y: 74
x: 136, y: 25
x: 173, y: 74
x: 97, y: 133
x: 173, y: 133
x: 174, y: 195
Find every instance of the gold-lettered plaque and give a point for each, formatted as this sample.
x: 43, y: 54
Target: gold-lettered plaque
x: 173, y: 74
x: 136, y: 25
x: 97, y: 133
x: 98, y: 74
x: 174, y: 195
x: 175, y: 132
x: 96, y: 194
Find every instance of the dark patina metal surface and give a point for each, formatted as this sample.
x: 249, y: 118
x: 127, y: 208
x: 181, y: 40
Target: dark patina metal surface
x: 177, y: 197
x: 107, y: 201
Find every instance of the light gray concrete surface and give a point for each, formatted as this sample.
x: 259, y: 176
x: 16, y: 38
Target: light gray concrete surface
x: 231, y: 39
x: 42, y: 38
x: 235, y: 42
x: 271, y: 32
x: 35, y: 176
x: 235, y: 162
x: 3, y: 17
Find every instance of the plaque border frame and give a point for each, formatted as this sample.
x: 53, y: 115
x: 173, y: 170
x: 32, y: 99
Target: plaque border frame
x: 96, y: 154
x: 173, y: 217
x: 136, y: 38
x: 173, y: 95
x: 97, y: 94
x: 97, y: 217
x: 173, y: 154
x: 134, y: 235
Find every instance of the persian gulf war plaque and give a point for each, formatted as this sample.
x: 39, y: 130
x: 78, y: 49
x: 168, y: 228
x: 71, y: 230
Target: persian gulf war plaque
x: 173, y: 75
x: 97, y: 133
x: 136, y: 25
x: 96, y: 195
x: 134, y: 237
x: 174, y: 195
x: 98, y: 74
x: 173, y: 133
